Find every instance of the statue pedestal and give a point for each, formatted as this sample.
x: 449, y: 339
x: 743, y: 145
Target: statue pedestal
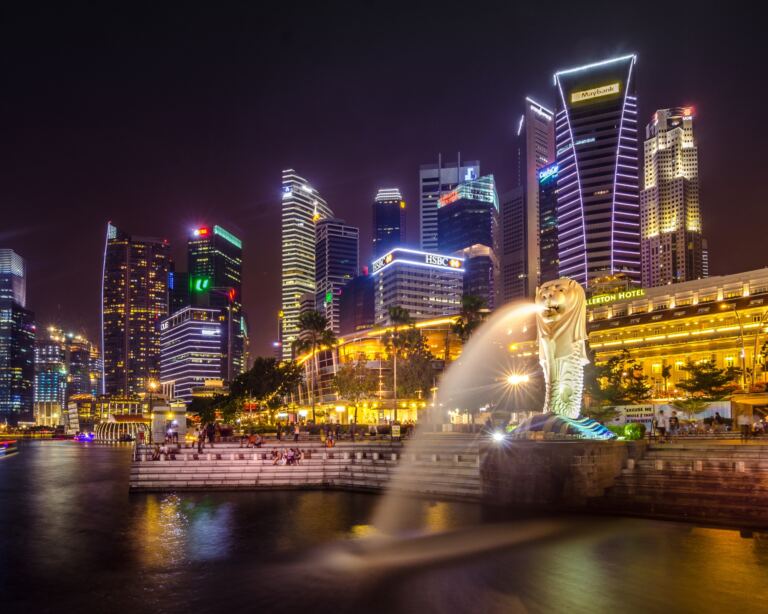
x: 554, y: 426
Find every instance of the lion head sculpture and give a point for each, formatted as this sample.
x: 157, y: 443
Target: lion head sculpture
x: 562, y: 319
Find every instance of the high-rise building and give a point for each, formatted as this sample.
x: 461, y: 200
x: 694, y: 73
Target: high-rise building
x: 670, y: 218
x: 178, y: 290
x: 191, y: 350
x: 17, y: 341
x: 388, y: 221
x: 519, y: 260
x: 336, y: 263
x: 548, y: 257
x: 434, y: 181
x: 424, y: 283
x: 302, y: 207
x: 134, y: 300
x: 51, y: 368
x: 467, y: 219
x: 357, y: 305
x: 514, y: 271
x: 215, y: 262
x: 597, y: 182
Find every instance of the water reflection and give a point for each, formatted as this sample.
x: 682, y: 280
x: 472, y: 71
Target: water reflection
x: 73, y: 537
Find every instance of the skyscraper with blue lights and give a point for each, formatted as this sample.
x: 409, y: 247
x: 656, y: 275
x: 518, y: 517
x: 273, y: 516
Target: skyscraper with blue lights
x: 597, y: 183
x: 17, y: 341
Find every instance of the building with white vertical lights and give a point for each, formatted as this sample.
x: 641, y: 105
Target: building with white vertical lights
x: 597, y: 183
x: 670, y: 219
x: 302, y: 207
x: 519, y: 214
x: 426, y: 284
x: 190, y: 350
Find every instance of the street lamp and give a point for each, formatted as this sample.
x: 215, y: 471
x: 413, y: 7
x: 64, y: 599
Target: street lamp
x: 516, y: 379
x: 152, y: 386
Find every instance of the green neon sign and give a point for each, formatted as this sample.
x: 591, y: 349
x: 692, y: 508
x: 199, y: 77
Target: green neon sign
x: 329, y: 297
x: 218, y: 230
x: 199, y: 284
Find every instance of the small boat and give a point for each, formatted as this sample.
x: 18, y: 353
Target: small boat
x: 8, y: 447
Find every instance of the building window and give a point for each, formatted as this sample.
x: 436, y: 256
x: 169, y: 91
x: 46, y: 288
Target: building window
x: 729, y: 361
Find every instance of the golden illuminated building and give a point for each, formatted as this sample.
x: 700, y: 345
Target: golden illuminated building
x: 718, y: 318
x: 368, y: 347
x: 672, y: 247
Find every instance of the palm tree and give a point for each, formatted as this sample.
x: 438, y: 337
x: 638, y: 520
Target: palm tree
x: 666, y: 373
x: 470, y: 318
x: 395, y: 339
x: 314, y: 335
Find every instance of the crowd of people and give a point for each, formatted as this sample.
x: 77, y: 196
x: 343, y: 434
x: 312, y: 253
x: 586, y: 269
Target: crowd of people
x: 290, y: 456
x: 664, y: 426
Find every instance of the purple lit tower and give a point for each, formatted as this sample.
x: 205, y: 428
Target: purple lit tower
x: 598, y: 186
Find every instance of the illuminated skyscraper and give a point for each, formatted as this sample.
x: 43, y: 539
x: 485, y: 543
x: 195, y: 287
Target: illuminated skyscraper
x: 388, y: 221
x: 336, y: 263
x: 434, y: 181
x: 670, y: 219
x: 549, y: 263
x: 426, y: 284
x: 51, y: 368
x: 467, y: 219
x: 17, y: 341
x: 134, y: 300
x: 302, y: 207
x: 191, y: 350
x: 519, y: 261
x: 598, y: 196
x: 215, y: 262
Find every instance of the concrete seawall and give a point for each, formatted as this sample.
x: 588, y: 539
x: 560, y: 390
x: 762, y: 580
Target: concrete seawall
x: 446, y: 468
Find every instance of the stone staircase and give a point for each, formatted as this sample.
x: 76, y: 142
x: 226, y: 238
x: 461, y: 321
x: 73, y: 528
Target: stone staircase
x: 444, y: 467
x: 718, y: 483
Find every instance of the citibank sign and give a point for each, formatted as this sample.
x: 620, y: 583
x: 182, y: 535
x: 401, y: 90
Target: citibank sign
x: 596, y: 92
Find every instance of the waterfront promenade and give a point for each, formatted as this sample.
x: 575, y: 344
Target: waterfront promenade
x: 719, y: 481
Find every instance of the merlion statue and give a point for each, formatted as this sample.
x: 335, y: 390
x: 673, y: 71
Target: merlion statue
x: 562, y: 331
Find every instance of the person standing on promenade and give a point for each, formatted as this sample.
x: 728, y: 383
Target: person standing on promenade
x: 662, y: 425
x: 745, y: 424
x: 211, y: 433
x: 279, y: 431
x: 296, y: 431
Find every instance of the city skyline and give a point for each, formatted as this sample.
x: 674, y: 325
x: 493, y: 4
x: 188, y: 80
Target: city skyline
x: 206, y: 184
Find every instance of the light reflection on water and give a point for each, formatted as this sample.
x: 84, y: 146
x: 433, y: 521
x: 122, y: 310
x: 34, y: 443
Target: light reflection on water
x: 73, y: 537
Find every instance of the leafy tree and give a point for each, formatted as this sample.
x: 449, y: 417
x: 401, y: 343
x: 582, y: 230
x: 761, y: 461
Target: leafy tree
x: 314, y: 335
x: 617, y: 381
x: 470, y: 318
x: 708, y: 382
x: 204, y: 407
x: 355, y: 382
x: 417, y: 372
x: 267, y: 382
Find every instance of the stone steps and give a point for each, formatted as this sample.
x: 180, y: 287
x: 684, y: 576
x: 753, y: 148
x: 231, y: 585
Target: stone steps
x: 724, y: 484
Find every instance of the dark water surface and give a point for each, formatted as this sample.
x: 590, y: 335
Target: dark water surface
x: 73, y: 540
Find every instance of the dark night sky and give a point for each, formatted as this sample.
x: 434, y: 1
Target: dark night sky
x: 160, y: 119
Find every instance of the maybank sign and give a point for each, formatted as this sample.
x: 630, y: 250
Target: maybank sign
x: 411, y: 256
x: 596, y: 92
x: 603, y: 299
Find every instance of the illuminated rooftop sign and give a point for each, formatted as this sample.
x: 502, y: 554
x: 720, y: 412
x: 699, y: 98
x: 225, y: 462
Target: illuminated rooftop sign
x: 482, y: 190
x: 612, y: 297
x: 548, y: 172
x: 218, y: 230
x: 412, y: 256
x: 596, y: 92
